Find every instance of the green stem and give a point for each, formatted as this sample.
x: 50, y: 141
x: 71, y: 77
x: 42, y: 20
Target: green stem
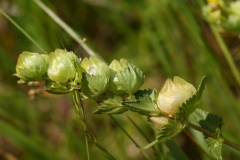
x: 85, y: 129
x: 89, y: 136
x: 210, y: 134
x: 226, y: 53
x: 143, y: 134
x: 80, y: 112
x: 20, y: 28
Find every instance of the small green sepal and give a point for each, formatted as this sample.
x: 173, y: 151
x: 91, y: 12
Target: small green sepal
x: 125, y: 78
x: 171, y: 129
x: 57, y: 88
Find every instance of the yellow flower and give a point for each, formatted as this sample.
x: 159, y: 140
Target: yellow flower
x: 173, y: 94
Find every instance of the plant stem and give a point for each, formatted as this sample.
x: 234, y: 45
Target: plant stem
x: 232, y: 144
x: 226, y: 54
x: 80, y: 112
x: 20, y: 28
x: 210, y: 134
x: 85, y: 129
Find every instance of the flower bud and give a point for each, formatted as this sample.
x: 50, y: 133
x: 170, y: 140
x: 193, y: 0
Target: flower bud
x: 95, y: 78
x: 125, y: 78
x: 31, y: 66
x: 63, y: 66
x: 173, y: 94
x: 158, y: 122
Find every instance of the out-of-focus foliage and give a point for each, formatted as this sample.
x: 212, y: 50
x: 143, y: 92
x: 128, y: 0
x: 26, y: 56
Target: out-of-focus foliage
x: 164, y: 38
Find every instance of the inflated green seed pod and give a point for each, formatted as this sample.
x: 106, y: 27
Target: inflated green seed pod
x: 63, y: 66
x: 31, y: 66
x: 95, y: 78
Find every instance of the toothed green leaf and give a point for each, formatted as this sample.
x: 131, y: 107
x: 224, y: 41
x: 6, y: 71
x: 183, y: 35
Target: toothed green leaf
x: 169, y: 130
x: 215, y: 147
x: 129, y: 80
x: 57, y: 88
x: 213, y: 124
x: 145, y: 103
x: 208, y: 121
x: 113, y: 105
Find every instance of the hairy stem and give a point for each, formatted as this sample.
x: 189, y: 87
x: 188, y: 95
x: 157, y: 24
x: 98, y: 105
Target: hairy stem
x: 210, y: 134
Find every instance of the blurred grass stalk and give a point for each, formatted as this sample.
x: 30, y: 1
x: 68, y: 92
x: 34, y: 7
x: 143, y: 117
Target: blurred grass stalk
x: 226, y: 53
x: 23, y: 31
x: 68, y: 29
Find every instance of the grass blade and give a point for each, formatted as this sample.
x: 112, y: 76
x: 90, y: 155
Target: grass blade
x: 143, y: 134
x: 141, y: 150
x: 67, y: 28
x: 23, y: 31
x: 175, y: 150
x: 30, y: 146
x: 226, y: 54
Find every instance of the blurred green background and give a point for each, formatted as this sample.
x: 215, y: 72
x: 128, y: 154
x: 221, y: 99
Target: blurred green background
x: 164, y: 38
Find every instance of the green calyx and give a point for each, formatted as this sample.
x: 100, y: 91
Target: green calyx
x: 125, y: 78
x: 31, y: 67
x: 64, y: 67
x: 95, y: 79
